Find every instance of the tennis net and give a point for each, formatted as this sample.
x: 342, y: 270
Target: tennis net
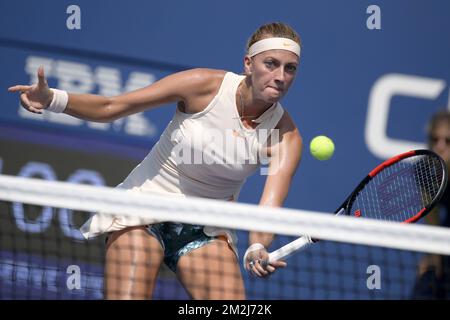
x: 44, y: 255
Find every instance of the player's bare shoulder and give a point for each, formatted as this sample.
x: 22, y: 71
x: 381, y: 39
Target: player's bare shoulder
x: 204, y: 84
x: 288, y: 132
x: 286, y: 123
x: 207, y: 80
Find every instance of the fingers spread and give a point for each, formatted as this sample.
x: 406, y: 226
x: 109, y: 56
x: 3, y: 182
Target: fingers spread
x: 278, y: 264
x: 256, y: 268
x: 17, y: 88
x: 34, y: 110
x: 270, y: 269
x: 261, y: 270
x: 25, y: 102
x: 41, y: 77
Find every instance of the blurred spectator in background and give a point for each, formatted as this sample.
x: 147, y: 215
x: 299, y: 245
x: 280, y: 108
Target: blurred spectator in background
x: 433, y: 281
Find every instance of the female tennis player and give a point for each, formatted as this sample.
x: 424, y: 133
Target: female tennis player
x: 239, y: 107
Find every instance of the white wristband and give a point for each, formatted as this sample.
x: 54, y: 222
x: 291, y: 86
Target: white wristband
x: 59, y: 101
x: 253, y: 247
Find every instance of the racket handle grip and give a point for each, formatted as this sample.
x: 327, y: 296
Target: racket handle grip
x: 290, y: 248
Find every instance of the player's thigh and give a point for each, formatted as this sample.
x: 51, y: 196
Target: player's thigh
x: 211, y: 272
x: 133, y: 259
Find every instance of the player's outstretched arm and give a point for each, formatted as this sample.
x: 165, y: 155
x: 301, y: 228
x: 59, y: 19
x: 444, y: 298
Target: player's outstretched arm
x: 186, y: 86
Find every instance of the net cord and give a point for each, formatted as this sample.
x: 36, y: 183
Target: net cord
x: 239, y: 216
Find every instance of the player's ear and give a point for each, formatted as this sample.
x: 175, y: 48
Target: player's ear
x: 247, y: 65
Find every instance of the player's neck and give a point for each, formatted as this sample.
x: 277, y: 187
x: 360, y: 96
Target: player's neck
x: 249, y: 107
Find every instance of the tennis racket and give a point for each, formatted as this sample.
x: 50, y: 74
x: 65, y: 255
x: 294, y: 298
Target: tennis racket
x: 402, y: 189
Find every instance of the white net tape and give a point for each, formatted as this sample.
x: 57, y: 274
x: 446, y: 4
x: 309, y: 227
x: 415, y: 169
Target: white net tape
x: 283, y: 221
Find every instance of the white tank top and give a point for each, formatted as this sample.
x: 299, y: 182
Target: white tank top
x: 208, y: 154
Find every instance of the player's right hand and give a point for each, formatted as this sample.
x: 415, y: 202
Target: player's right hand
x: 256, y: 262
x: 36, y: 97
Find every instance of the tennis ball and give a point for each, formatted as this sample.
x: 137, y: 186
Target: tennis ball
x: 321, y: 147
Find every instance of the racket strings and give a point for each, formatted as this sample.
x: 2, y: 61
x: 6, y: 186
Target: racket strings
x: 430, y: 176
x: 400, y: 191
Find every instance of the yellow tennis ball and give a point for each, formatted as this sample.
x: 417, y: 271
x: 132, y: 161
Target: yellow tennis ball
x: 321, y: 147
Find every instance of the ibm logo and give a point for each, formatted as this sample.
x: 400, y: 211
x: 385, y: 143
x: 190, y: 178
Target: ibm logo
x: 78, y: 77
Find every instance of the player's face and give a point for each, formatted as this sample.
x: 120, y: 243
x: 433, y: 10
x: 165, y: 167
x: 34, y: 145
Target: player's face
x: 440, y: 141
x: 272, y: 73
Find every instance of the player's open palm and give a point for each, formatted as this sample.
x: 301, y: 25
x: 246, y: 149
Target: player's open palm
x: 36, y: 97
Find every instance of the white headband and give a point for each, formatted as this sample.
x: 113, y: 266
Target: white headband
x: 274, y: 43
